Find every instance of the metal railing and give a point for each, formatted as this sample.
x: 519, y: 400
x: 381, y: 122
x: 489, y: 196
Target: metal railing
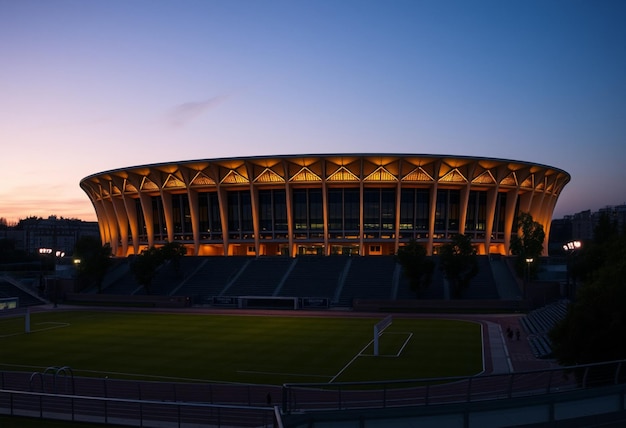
x: 131, y: 412
x: 303, y: 397
x: 57, y: 394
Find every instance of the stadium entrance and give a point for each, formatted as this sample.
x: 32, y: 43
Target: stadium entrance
x: 310, y: 250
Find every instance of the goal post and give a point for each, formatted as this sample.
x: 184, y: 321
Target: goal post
x: 378, y: 330
x: 12, y: 305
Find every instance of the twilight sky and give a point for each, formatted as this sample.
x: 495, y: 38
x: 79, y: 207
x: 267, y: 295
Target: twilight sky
x: 88, y: 86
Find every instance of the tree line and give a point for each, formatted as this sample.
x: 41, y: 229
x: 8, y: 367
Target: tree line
x: 458, y: 262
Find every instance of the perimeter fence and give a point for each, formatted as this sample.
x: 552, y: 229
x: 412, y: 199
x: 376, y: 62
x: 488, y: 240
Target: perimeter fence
x: 127, y: 412
x: 303, y: 397
x: 57, y: 394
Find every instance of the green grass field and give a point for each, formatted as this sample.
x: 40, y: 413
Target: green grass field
x: 251, y: 349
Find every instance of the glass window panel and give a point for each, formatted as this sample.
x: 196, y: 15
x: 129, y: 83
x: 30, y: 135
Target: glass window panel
x: 265, y: 210
x: 422, y: 209
x: 454, y: 198
x: 280, y: 210
x: 481, y: 220
x: 388, y: 209
x: 371, y: 209
x: 441, y: 210
x: 316, y: 209
x: 351, y: 209
x: 335, y: 209
x: 215, y: 224
x: 246, y: 211
x: 233, y: 212
x: 300, y: 209
x: 407, y: 209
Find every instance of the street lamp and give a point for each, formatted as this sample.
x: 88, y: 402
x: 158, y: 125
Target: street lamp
x: 55, y: 255
x: 572, y: 246
x: 570, y: 249
x: 529, y: 261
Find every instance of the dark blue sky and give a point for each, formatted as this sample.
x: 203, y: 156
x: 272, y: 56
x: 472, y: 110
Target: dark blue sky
x: 89, y: 86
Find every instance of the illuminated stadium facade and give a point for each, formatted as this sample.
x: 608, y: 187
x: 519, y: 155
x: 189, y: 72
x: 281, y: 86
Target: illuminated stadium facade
x: 358, y: 204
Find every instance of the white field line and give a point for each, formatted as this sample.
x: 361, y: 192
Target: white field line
x: 409, y: 336
x: 351, y: 361
x: 281, y: 373
x: 55, y: 325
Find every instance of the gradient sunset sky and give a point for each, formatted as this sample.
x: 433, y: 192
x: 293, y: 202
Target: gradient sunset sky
x: 88, y: 86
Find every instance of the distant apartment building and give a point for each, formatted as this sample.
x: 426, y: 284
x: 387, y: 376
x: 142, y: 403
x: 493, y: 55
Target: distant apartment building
x: 581, y: 226
x: 617, y: 215
x: 57, y: 234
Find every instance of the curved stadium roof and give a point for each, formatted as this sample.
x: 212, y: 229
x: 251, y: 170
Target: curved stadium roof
x: 123, y: 199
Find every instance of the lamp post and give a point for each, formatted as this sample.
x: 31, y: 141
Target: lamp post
x: 44, y: 252
x: 570, y: 249
x: 529, y: 261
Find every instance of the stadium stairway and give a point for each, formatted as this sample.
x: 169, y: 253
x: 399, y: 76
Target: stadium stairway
x: 210, y: 278
x: 506, y: 283
x: 12, y: 288
x: 483, y: 285
x: 538, y: 324
x: 169, y: 278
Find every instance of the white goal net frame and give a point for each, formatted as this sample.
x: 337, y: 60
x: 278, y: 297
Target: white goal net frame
x: 378, y: 330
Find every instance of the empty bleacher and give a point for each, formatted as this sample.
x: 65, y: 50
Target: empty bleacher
x: 211, y: 276
x: 26, y: 299
x: 368, y: 278
x: 168, y: 278
x: 538, y: 324
x: 482, y: 286
x: 124, y: 282
x: 434, y: 291
x: 260, y: 277
x: 338, y: 278
x: 314, y: 276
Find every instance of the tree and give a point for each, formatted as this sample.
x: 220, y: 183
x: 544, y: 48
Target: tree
x: 9, y: 253
x: 416, y: 265
x: 527, y: 244
x: 458, y: 262
x: 594, y: 328
x: 94, y: 258
x: 594, y: 253
x: 172, y: 252
x: 144, y: 266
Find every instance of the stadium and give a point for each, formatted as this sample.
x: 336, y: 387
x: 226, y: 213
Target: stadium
x: 350, y: 204
x: 263, y: 327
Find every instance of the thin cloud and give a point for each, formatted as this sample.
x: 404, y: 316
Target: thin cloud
x: 184, y: 113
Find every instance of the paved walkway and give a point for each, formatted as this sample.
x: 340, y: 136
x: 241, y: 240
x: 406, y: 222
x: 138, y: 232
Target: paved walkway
x: 512, y: 353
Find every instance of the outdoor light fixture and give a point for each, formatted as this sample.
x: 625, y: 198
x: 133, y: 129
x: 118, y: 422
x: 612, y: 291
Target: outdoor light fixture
x: 570, y: 249
x: 572, y: 245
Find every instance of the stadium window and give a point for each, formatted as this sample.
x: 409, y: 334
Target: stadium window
x: 422, y: 209
x: 335, y: 209
x: 441, y: 210
x: 371, y: 209
x: 316, y: 210
x: 454, y: 208
x: 388, y: 209
x: 279, y: 199
x: 407, y: 209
